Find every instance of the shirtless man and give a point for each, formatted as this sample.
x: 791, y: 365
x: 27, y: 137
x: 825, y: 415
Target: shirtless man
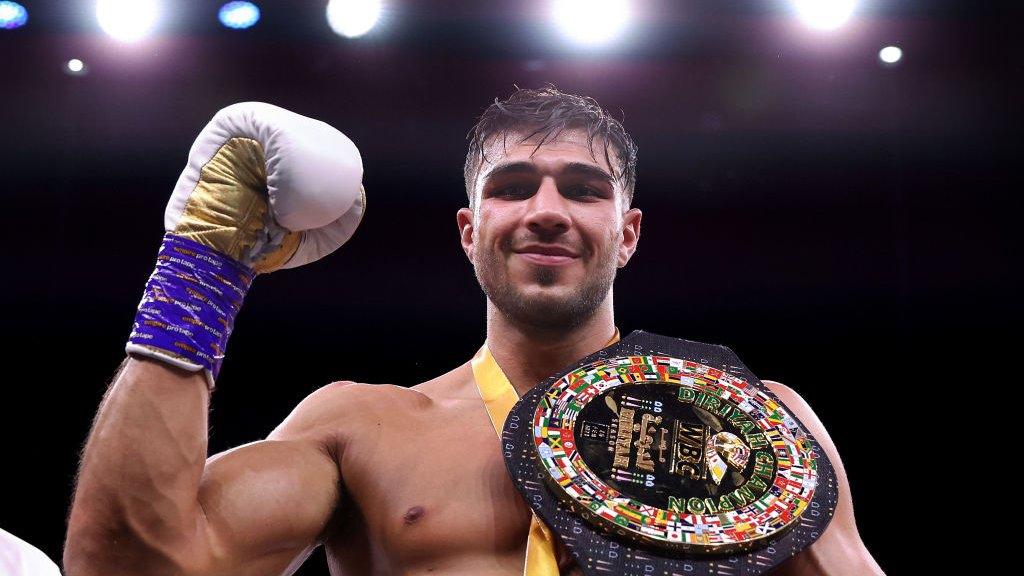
x: 399, y: 480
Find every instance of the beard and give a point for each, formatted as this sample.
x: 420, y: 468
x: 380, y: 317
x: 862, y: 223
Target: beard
x: 555, y: 311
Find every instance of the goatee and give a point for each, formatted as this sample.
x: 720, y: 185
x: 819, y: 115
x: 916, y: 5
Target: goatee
x: 547, y: 311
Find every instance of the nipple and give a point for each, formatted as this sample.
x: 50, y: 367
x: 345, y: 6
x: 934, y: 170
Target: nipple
x: 413, y: 514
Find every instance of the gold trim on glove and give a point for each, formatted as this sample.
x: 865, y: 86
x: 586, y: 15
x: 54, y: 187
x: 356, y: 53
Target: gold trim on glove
x: 228, y: 207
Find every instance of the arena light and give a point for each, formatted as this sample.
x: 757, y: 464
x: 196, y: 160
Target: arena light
x: 12, y: 15
x: 239, y: 15
x: 890, y: 55
x: 825, y: 14
x: 592, y: 22
x: 75, y: 67
x: 127, y: 20
x: 353, y: 18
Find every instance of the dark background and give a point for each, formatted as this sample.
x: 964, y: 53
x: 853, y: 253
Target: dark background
x: 844, y: 226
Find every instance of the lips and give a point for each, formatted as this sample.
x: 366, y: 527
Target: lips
x: 546, y: 254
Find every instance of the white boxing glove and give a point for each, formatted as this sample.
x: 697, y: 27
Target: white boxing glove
x: 264, y: 189
x: 268, y: 187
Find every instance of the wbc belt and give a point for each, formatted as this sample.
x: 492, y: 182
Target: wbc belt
x: 658, y: 455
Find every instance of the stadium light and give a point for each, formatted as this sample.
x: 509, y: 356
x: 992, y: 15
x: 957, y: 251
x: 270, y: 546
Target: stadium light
x: 353, y: 18
x: 239, y: 15
x: 890, y: 55
x: 825, y: 14
x: 75, y: 67
x: 592, y: 22
x: 12, y: 15
x: 127, y: 20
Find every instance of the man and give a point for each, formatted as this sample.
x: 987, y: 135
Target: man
x: 391, y: 480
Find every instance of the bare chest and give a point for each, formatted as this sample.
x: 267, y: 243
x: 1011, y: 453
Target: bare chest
x: 431, y: 489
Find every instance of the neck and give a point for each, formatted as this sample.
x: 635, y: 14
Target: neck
x: 527, y: 355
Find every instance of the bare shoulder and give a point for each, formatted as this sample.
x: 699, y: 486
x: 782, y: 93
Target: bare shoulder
x: 840, y: 549
x: 333, y: 410
x: 456, y: 384
x: 798, y: 406
x: 805, y: 414
x: 343, y: 405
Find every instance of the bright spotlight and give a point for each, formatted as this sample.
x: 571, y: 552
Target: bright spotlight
x: 12, y: 15
x: 353, y: 18
x: 239, y: 15
x: 127, y: 20
x: 592, y: 22
x: 825, y: 14
x: 75, y: 67
x: 890, y: 54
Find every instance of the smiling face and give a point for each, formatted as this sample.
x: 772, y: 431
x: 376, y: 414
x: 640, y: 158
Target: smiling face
x: 548, y: 229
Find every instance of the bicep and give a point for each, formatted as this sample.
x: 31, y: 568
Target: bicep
x: 267, y: 503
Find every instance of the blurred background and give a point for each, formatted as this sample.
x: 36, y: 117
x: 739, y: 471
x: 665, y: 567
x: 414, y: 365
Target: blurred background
x: 827, y: 189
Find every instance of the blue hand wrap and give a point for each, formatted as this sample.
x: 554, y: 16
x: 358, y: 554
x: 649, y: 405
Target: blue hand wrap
x: 189, y: 306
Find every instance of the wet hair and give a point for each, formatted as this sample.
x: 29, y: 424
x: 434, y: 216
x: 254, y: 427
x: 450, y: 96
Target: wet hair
x: 542, y: 114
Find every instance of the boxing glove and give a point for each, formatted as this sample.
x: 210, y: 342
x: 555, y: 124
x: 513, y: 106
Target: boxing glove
x: 263, y: 189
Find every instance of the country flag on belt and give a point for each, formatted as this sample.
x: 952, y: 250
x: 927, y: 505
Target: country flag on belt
x: 648, y: 510
x: 674, y: 532
x: 746, y: 530
x: 652, y: 531
x: 760, y: 504
x: 629, y: 513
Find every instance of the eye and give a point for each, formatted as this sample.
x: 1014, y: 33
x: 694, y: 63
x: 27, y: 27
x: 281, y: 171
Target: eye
x: 512, y: 191
x: 583, y: 191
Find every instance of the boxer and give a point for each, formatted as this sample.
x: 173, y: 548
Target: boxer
x: 390, y: 480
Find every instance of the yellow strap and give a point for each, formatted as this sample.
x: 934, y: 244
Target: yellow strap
x: 499, y: 397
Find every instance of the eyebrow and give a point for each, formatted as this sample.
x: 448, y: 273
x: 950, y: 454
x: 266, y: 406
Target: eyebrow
x: 572, y: 168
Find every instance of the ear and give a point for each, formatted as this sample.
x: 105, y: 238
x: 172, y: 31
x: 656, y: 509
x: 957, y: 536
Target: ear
x: 464, y: 217
x: 630, y: 234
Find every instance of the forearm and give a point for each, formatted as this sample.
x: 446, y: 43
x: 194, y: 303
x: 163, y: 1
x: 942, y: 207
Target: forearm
x: 136, y: 497
x: 146, y: 500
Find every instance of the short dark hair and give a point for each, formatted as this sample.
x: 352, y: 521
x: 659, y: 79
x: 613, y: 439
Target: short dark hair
x: 546, y: 112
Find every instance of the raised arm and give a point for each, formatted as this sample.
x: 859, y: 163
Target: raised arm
x: 149, y: 502
x: 264, y: 189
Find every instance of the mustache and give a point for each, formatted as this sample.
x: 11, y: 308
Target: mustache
x: 513, y: 243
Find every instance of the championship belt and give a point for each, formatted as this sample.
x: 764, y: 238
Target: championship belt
x: 658, y: 455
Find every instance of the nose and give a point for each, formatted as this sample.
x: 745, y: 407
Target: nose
x: 547, y: 213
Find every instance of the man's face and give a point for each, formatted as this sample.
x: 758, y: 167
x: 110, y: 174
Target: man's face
x: 548, y: 230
